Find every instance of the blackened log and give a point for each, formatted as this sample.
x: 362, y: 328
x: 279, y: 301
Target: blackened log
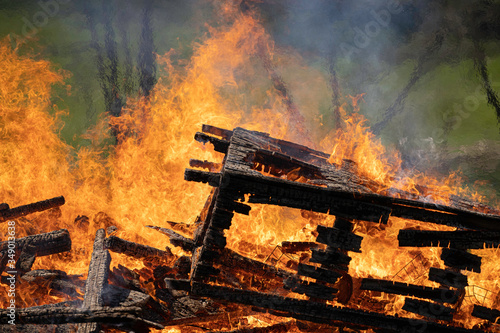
x: 463, y: 239
x: 13, y: 213
x: 97, y: 280
x: 175, y: 239
x: 294, y: 247
x: 331, y: 258
x: 428, y: 309
x: 178, y: 284
x: 221, y: 218
x: 343, y: 224
x: 225, y: 134
x: 203, y: 220
x: 318, y: 273
x: 485, y: 313
x: 63, y: 315
x: 4, y: 206
x: 320, y: 313
x: 441, y: 295
x: 310, y: 289
x: 138, y: 251
x: 46, y: 244
x: 447, y: 277
x: 212, y: 178
x: 232, y: 259
x: 210, y: 166
x: 344, y: 240
x: 57, y: 281
x: 461, y: 259
x: 220, y: 146
x: 114, y: 296
x: 215, y: 238
x: 26, y: 259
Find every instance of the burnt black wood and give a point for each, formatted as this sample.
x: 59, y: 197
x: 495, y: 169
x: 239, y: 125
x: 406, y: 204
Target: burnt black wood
x: 441, y: 295
x: 463, y: 239
x: 320, y: 313
x: 138, y: 251
x: 220, y: 146
x: 310, y: 289
x: 461, y: 259
x: 13, y: 213
x: 331, y: 258
x: 447, y: 277
x: 318, y: 273
x: 337, y: 238
x: 486, y: 313
x: 46, y: 244
x: 428, y: 309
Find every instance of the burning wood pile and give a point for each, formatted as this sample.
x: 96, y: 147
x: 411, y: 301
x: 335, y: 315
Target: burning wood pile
x: 211, y: 286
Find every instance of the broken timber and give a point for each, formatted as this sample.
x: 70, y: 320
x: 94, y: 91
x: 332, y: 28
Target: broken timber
x: 7, y: 213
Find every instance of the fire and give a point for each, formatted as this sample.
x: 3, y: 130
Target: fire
x: 139, y: 181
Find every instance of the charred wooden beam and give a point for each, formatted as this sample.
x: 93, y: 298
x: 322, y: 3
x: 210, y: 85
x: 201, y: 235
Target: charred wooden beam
x: 428, y: 309
x: 320, y: 313
x: 344, y: 240
x: 310, y: 289
x: 57, y: 315
x: 13, y: 213
x: 331, y: 258
x: 210, y: 166
x: 318, y: 273
x: 463, y: 239
x: 138, y: 251
x: 441, y: 295
x: 461, y: 259
x: 26, y: 259
x: 212, y: 178
x: 294, y: 247
x: 485, y: 313
x: 176, y: 239
x: 97, y: 280
x: 46, y: 244
x: 225, y: 134
x: 4, y: 206
x: 447, y: 277
x: 220, y: 146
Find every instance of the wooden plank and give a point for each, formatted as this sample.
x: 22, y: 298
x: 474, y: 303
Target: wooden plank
x: 441, y: 295
x: 447, y: 277
x: 176, y: 239
x: 212, y: 178
x: 428, y: 309
x: 13, y: 213
x: 318, y: 273
x: 97, y: 280
x: 310, y: 289
x: 46, y: 244
x: 331, y: 258
x: 56, y: 315
x: 461, y: 259
x: 320, y: 313
x: 463, y: 239
x: 138, y: 251
x: 225, y: 134
x: 220, y: 146
x: 482, y: 312
x: 337, y: 238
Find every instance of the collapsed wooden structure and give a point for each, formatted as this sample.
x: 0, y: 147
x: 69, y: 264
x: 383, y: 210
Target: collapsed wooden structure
x: 259, y: 169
